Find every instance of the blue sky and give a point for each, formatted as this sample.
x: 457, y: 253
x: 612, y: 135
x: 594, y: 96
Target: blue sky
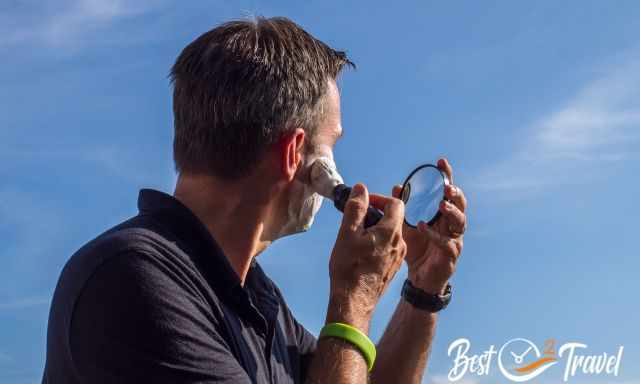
x: 536, y: 104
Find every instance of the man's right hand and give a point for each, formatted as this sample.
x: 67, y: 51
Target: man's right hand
x: 364, y: 261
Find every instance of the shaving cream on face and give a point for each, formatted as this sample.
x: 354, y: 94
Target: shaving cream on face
x: 305, y: 201
x: 325, y: 176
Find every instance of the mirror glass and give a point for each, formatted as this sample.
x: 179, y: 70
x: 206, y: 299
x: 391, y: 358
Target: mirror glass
x: 422, y: 192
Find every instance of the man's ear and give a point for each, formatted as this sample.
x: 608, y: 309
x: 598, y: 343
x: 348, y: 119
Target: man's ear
x: 291, y: 148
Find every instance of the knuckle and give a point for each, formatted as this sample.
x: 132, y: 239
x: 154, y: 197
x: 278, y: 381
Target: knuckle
x: 397, y: 240
x: 354, y: 209
x: 451, y: 249
x: 386, y: 233
x: 459, y: 245
x: 369, y: 245
x: 459, y: 218
x: 355, y: 205
x: 403, y: 248
x: 396, y: 204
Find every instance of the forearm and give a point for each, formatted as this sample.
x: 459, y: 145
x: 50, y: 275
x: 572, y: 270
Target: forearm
x: 336, y: 360
x: 404, y: 347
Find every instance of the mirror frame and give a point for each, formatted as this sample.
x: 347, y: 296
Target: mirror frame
x: 407, y: 188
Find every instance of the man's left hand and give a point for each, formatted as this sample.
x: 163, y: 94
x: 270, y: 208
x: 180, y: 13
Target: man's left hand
x: 432, y: 252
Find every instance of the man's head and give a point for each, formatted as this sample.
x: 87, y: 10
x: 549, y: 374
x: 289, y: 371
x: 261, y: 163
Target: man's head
x: 251, y: 94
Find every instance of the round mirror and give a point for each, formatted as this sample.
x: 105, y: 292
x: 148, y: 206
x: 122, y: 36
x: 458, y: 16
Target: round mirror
x: 422, y: 192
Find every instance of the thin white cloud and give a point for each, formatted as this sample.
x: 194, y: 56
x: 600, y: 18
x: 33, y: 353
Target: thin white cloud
x: 23, y: 302
x: 66, y: 24
x: 38, y: 229
x: 83, y: 16
x: 110, y: 159
x: 605, y: 113
x: 598, y: 126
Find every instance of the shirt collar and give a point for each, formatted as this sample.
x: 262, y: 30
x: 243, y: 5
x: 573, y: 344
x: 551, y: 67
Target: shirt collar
x: 192, y: 235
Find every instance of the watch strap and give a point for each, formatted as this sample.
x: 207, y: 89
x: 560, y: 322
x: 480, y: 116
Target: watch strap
x: 423, y: 300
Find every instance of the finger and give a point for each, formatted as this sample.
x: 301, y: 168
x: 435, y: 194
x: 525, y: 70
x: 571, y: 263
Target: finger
x: 379, y: 201
x: 393, y: 210
x: 455, y: 218
x: 444, y: 166
x: 355, y: 208
x: 395, y: 191
x: 450, y: 246
x: 456, y: 196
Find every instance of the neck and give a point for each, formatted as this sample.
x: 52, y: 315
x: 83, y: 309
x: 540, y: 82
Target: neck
x: 235, y: 214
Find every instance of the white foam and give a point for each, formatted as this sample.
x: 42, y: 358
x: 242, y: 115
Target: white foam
x: 325, y: 177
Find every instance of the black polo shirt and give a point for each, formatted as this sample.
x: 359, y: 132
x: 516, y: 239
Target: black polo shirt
x: 155, y: 300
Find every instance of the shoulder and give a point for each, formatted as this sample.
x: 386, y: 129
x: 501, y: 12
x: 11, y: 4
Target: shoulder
x: 132, y: 288
x: 132, y: 258
x: 134, y: 299
x: 136, y: 319
x: 138, y: 238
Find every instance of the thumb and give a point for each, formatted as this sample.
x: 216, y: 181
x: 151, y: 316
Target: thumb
x: 355, y: 208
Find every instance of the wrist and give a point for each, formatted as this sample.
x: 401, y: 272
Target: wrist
x: 353, y: 336
x: 429, y: 285
x: 414, y: 315
x: 424, y: 300
x: 347, y: 309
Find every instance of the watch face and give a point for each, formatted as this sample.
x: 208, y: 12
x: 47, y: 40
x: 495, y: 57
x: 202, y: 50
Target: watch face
x: 521, y: 360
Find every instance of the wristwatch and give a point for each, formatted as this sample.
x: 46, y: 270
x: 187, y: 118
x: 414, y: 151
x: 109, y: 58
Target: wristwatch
x: 423, y: 300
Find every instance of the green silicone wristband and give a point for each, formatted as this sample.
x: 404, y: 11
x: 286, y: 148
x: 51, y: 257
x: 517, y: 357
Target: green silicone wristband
x: 354, y: 336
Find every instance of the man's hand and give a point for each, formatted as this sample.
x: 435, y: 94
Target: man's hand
x: 432, y: 252
x: 364, y: 261
x: 362, y: 265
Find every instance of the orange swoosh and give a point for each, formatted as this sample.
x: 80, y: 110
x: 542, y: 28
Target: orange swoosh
x: 535, y: 364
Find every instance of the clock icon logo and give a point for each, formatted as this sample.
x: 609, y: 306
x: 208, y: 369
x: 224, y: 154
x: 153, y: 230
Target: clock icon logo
x: 520, y: 360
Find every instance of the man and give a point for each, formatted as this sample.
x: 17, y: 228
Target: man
x: 174, y: 294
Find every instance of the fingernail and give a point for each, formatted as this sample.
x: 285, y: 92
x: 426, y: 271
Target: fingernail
x: 357, y: 190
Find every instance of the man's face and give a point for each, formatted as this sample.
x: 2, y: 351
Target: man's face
x: 330, y: 129
x: 302, y: 202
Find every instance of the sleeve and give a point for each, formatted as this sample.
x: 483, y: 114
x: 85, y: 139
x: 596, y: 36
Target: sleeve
x: 136, y: 321
x: 305, y: 341
x: 306, y: 347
